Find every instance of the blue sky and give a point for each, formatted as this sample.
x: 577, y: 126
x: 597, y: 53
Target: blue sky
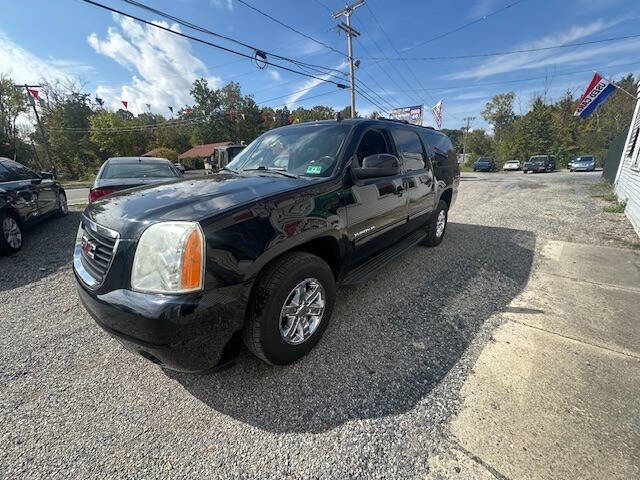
x: 120, y: 59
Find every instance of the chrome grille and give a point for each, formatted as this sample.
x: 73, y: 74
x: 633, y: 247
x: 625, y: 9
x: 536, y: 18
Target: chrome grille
x: 94, y: 251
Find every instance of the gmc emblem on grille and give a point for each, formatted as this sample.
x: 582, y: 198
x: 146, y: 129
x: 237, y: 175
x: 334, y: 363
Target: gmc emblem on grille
x: 89, y: 247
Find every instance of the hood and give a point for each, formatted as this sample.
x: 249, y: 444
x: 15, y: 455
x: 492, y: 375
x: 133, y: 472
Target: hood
x: 132, y: 211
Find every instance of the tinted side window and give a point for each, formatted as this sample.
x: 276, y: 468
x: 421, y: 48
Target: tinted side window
x: 409, y: 148
x: 5, y: 175
x: 20, y: 171
x: 372, y: 142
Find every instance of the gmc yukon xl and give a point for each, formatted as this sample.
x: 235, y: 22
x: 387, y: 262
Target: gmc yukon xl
x: 178, y: 272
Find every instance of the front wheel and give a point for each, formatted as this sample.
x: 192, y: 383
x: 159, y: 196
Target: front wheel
x: 437, y: 225
x: 63, y: 208
x: 10, y: 234
x: 290, y: 308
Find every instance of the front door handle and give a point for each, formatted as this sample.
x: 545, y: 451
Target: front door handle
x: 399, y: 191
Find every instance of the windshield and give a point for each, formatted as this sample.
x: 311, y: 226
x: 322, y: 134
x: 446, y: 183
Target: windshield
x: 584, y: 159
x: 484, y: 159
x: 304, y: 150
x: 137, y: 170
x: 538, y: 159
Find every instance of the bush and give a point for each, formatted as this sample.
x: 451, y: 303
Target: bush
x: 193, y: 163
x: 168, y: 153
x: 617, y: 208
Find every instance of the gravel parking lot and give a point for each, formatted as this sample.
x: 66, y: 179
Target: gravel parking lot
x: 372, y: 400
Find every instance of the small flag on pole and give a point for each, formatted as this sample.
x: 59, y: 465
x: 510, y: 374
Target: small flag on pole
x: 437, y: 114
x: 148, y: 106
x: 187, y: 111
x: 171, y: 108
x: 99, y: 101
x: 595, y: 94
x: 34, y: 93
x: 126, y: 104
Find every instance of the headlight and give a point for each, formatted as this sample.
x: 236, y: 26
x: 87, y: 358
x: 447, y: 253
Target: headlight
x: 169, y: 259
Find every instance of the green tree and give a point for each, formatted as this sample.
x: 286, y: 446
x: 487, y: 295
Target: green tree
x: 499, y: 113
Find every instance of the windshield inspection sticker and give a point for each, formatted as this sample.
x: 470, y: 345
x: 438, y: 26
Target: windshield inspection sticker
x: 314, y: 169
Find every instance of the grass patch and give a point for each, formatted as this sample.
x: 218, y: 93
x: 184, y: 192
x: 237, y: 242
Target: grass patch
x: 609, y: 197
x: 617, y: 208
x: 466, y: 168
x: 634, y: 245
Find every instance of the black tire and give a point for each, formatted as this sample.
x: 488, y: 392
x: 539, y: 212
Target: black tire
x: 7, y: 248
x: 432, y: 239
x: 63, y: 208
x: 272, y: 289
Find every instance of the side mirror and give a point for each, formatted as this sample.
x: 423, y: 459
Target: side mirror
x: 48, y: 175
x: 378, y: 165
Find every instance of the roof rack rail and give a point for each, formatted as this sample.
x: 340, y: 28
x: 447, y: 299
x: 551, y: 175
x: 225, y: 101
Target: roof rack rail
x: 406, y: 123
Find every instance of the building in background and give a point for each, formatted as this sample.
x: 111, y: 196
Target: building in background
x: 627, y: 182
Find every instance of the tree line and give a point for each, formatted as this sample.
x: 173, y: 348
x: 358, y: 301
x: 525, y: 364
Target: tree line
x: 81, y: 134
x: 548, y: 127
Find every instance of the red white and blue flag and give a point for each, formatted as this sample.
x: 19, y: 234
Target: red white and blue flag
x: 595, y: 94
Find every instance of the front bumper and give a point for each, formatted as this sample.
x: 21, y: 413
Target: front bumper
x: 583, y: 169
x: 186, y: 333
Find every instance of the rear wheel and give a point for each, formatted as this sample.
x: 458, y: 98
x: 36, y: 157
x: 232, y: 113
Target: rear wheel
x: 290, y: 308
x: 10, y: 234
x: 437, y: 226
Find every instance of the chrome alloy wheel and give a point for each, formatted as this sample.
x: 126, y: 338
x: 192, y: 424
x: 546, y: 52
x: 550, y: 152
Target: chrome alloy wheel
x: 302, y: 311
x: 11, y: 231
x: 441, y: 223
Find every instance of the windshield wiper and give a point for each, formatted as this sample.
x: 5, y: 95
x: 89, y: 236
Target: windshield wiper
x: 262, y: 168
x: 230, y: 169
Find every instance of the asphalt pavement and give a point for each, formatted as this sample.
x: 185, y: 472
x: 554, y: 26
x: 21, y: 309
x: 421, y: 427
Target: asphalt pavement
x: 381, y: 396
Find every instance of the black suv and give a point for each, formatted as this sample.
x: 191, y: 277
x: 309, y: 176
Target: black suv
x: 25, y: 198
x: 178, y: 272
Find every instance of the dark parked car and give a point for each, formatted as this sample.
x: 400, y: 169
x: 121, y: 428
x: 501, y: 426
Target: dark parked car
x: 584, y: 163
x: 120, y: 173
x: 484, y: 164
x: 179, y: 272
x: 25, y: 198
x: 540, y: 163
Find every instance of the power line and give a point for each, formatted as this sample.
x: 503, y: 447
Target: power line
x: 394, y: 47
x: 205, y: 42
x: 523, y: 80
x: 510, y: 52
x: 289, y: 27
x: 224, y: 37
x: 461, y: 27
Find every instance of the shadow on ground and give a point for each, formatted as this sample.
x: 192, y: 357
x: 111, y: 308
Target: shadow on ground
x: 47, y: 247
x: 391, y: 340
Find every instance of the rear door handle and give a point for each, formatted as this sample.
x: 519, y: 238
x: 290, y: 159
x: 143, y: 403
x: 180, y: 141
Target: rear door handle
x: 399, y: 191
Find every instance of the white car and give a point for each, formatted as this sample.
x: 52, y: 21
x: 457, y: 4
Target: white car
x: 511, y: 165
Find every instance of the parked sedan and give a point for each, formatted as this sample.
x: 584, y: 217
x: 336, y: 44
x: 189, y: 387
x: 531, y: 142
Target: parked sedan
x: 486, y: 164
x: 25, y: 198
x: 511, y: 165
x: 120, y: 173
x: 584, y: 163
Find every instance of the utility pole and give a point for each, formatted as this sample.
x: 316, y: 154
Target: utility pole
x: 466, y: 131
x: 351, y: 32
x: 44, y: 136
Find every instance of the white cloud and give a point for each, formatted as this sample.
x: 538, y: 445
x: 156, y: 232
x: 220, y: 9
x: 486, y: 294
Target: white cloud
x: 25, y: 67
x: 162, y: 64
x: 530, y: 60
x: 274, y: 74
x: 222, y: 4
x: 482, y: 7
x: 310, y: 85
